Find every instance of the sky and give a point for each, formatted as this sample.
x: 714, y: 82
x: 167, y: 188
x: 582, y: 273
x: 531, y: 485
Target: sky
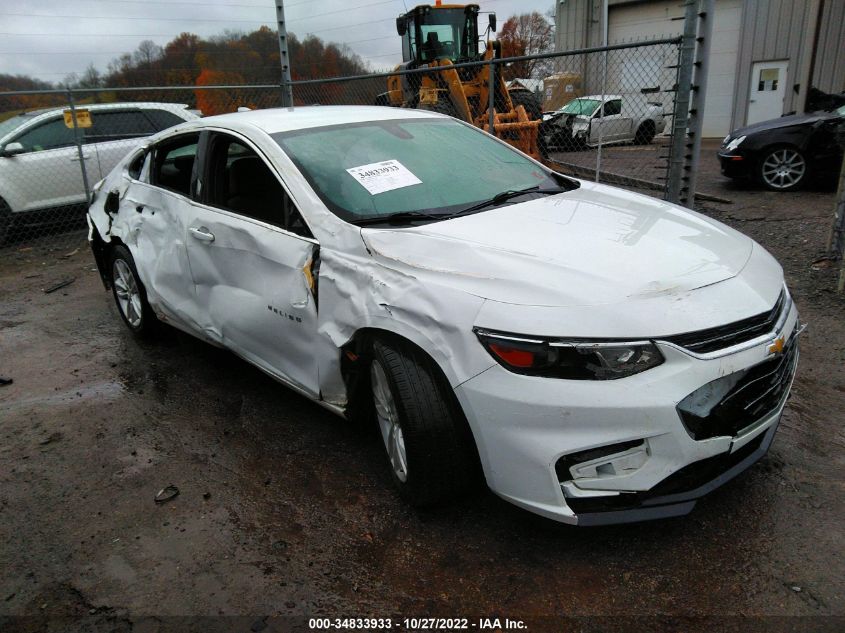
x: 51, y: 39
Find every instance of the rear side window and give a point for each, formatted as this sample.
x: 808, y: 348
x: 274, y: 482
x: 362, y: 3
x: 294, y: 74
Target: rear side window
x: 118, y: 125
x: 613, y: 107
x: 50, y: 135
x: 162, y: 119
x: 136, y: 166
x: 242, y: 182
x: 174, y: 163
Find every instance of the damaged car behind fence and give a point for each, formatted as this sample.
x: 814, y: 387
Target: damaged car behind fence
x: 596, y: 356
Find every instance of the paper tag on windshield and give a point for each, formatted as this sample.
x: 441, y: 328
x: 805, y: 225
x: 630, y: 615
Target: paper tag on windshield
x: 384, y: 176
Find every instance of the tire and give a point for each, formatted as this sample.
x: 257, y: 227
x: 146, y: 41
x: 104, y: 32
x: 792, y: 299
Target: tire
x: 782, y: 168
x: 645, y: 133
x: 129, y: 294
x: 430, y: 450
x: 443, y: 106
x: 527, y: 100
x: 5, y: 221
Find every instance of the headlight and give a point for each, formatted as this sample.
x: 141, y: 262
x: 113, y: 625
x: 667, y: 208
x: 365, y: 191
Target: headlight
x: 734, y: 143
x: 581, y: 359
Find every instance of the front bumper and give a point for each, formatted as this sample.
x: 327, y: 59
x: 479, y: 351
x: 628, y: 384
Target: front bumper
x: 735, y: 164
x: 634, y: 458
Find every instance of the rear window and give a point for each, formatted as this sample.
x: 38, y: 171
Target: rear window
x: 429, y: 165
x: 162, y: 119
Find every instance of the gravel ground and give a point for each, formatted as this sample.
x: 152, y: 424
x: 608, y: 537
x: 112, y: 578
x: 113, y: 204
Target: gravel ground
x: 283, y: 510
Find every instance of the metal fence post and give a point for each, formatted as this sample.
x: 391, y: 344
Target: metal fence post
x: 284, y: 56
x: 491, y: 96
x: 696, y: 122
x: 77, y: 135
x: 605, y: 31
x: 680, y: 119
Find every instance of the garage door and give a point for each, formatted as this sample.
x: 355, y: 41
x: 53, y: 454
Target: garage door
x: 654, y: 19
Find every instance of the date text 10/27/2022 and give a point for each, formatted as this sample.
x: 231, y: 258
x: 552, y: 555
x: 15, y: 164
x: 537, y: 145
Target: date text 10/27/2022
x: 416, y: 624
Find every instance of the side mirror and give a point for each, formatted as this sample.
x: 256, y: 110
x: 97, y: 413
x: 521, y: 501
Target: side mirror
x: 401, y: 26
x: 492, y: 21
x: 13, y: 149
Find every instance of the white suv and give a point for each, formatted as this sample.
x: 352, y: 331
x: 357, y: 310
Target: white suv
x: 39, y: 160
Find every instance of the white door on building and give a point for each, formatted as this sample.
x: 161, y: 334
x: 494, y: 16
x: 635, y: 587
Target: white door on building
x: 768, y: 88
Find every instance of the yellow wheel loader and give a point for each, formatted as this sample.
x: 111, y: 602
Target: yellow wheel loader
x: 440, y: 36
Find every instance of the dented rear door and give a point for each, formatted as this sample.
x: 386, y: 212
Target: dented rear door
x: 254, y: 283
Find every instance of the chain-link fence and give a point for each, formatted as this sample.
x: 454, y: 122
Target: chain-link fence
x: 603, y: 114
x: 600, y: 114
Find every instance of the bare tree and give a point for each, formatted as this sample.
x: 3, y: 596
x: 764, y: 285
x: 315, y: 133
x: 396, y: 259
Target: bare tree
x: 526, y: 34
x: 91, y: 78
x: 148, y: 52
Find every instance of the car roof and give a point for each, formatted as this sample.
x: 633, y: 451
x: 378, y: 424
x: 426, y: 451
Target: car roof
x: 275, y: 120
x: 598, y: 97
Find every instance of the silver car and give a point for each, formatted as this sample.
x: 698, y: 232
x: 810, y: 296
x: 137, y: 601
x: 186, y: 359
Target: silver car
x: 39, y: 160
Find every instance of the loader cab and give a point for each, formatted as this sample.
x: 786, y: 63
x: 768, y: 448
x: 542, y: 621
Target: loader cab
x: 439, y: 32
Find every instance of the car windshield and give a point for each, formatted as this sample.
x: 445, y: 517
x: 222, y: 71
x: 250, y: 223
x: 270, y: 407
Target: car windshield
x: 14, y: 122
x: 432, y: 166
x: 581, y: 106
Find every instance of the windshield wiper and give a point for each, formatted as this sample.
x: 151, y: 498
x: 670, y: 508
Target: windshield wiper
x: 503, y: 196
x: 400, y: 217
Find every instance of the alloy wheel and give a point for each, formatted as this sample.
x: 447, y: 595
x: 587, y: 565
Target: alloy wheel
x: 127, y: 293
x: 783, y: 168
x: 388, y: 421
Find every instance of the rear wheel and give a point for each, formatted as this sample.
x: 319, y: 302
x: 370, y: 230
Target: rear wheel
x: 5, y: 221
x: 130, y: 295
x: 783, y: 169
x: 428, y: 444
x: 645, y: 133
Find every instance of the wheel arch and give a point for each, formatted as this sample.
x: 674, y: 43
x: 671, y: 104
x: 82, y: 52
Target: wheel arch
x: 102, y: 250
x: 355, y: 356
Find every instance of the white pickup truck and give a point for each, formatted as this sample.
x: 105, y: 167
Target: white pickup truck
x: 581, y: 123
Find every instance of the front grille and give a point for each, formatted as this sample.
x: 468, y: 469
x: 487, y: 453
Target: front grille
x: 716, y: 338
x: 731, y: 403
x: 686, y: 480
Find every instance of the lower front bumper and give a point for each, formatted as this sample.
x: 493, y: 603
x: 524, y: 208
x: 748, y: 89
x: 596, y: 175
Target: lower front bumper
x: 662, y: 502
x: 735, y: 165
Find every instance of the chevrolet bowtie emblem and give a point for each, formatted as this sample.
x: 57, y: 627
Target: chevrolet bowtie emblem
x: 777, y: 346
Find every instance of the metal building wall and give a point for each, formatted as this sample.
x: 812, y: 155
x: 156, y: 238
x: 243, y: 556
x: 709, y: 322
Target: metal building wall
x: 829, y: 70
x: 771, y: 30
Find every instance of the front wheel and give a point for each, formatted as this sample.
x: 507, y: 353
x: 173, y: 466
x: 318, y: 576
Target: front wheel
x: 783, y: 169
x: 129, y: 294
x: 429, y: 447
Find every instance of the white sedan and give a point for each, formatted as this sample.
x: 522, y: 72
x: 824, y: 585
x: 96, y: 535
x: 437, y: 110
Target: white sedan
x: 596, y: 355
x: 584, y: 123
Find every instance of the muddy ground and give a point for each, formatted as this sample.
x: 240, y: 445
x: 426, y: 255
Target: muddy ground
x: 283, y: 510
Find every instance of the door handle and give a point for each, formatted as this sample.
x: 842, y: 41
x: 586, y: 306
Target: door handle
x: 202, y: 234
x: 75, y: 159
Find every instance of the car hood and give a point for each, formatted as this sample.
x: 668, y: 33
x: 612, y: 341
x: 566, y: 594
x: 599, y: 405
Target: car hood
x: 784, y: 121
x: 593, y: 245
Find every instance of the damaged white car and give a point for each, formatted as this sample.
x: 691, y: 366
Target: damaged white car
x: 596, y: 355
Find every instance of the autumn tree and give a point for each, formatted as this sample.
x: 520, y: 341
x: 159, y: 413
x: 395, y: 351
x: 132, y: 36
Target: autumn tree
x: 526, y: 34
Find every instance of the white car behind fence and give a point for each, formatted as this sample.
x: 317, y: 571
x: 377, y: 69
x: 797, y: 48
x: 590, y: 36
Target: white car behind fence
x: 40, y: 171
x: 582, y: 122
